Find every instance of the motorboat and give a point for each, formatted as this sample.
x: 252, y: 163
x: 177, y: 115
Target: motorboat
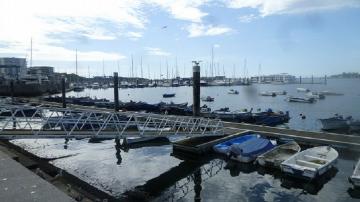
x: 310, y: 163
x: 268, y: 93
x: 333, y: 123
x: 207, y: 99
x: 315, y: 95
x: 249, y: 150
x: 279, y: 154
x: 355, y: 177
x: 224, y: 147
x: 303, y: 90
x: 77, y: 87
x: 95, y: 85
x: 167, y: 95
x: 300, y: 99
x: 233, y: 91
x: 279, y: 92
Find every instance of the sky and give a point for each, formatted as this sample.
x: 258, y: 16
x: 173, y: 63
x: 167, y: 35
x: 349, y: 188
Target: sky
x: 248, y: 37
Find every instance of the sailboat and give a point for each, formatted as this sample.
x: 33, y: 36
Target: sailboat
x: 77, y: 87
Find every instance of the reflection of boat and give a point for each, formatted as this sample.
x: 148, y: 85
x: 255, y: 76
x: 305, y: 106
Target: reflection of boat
x: 355, y: 177
x: 333, y: 123
x: 166, y: 95
x: 310, y: 163
x: 207, y: 99
x: 279, y: 154
x: 300, y: 99
x: 249, y: 150
x: 233, y: 91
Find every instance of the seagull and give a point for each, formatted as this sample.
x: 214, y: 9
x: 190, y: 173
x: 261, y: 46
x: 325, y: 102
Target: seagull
x: 164, y: 27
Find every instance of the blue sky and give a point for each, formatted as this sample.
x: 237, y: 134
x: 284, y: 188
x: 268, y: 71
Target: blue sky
x: 300, y: 37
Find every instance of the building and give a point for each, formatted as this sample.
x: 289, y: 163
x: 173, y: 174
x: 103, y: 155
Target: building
x: 275, y: 78
x: 12, y: 68
x: 41, y: 70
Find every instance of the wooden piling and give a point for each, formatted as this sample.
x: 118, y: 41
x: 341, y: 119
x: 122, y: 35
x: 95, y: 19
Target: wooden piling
x: 196, y: 89
x: 116, y: 91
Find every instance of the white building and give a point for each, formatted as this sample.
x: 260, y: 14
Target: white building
x: 275, y: 78
x: 12, y: 67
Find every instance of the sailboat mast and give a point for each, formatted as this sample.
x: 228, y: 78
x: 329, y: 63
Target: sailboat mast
x: 31, y: 52
x: 132, y: 66
x: 141, y: 67
x: 76, y: 63
x: 212, y: 61
x: 167, y: 70
x: 103, y: 67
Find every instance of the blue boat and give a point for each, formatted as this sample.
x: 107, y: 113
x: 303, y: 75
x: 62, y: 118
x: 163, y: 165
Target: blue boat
x: 249, y: 150
x: 224, y: 147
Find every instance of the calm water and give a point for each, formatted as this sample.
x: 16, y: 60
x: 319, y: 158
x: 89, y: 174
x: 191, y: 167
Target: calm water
x: 154, y: 172
x: 248, y: 97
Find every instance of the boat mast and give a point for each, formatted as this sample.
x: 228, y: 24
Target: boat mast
x: 132, y: 67
x: 118, y: 66
x: 212, y: 61
x: 103, y: 65
x: 167, y: 70
x: 141, y: 67
x: 76, y: 63
x: 31, y: 52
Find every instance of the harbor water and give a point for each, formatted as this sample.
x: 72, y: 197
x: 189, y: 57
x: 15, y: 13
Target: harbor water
x: 153, y: 172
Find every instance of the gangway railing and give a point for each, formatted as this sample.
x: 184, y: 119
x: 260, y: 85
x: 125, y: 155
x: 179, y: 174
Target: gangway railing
x: 23, y: 121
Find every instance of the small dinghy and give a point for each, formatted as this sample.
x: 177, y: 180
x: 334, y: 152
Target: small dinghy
x: 355, y: 177
x: 310, y: 163
x: 224, y: 147
x: 279, y: 154
x: 249, y: 150
x: 167, y: 95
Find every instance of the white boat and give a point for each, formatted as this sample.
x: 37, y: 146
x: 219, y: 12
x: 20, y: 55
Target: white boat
x: 95, y: 85
x: 333, y: 123
x: 207, y: 99
x: 279, y: 154
x: 300, y: 99
x: 315, y: 95
x: 233, y: 91
x: 302, y: 89
x: 355, y: 177
x: 354, y: 125
x: 310, y: 163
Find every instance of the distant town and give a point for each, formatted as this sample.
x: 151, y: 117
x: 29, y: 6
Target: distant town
x: 16, y: 76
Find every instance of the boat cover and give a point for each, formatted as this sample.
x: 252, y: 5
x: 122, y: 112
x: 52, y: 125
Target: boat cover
x: 224, y: 147
x: 252, y: 148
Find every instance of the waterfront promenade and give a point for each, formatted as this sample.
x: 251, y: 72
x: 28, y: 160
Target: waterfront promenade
x: 18, y: 184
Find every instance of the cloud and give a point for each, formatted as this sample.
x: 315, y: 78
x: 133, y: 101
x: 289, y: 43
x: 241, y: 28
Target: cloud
x: 248, y: 18
x: 197, y: 30
x: 187, y: 10
x: 274, y: 7
x: 156, y: 52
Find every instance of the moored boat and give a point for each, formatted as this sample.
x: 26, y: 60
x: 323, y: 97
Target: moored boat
x: 315, y: 95
x: 167, y: 95
x: 334, y: 123
x: 249, y: 150
x: 279, y: 154
x: 303, y: 89
x: 310, y: 163
x: 207, y: 99
x: 268, y: 93
x: 300, y: 99
x: 354, y: 125
x: 224, y: 147
x: 355, y: 177
x: 233, y: 91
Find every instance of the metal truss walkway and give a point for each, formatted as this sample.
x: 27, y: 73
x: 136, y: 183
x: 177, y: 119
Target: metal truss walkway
x: 21, y: 121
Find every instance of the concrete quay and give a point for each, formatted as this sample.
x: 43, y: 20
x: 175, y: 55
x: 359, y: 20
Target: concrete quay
x: 18, y: 184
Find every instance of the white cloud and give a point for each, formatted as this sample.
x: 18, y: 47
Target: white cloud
x: 197, y: 30
x: 183, y: 9
x: 53, y: 23
x: 248, y: 18
x: 273, y: 7
x: 156, y: 51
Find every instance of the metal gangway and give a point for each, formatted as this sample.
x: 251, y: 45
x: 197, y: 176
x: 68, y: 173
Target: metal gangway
x: 25, y: 121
